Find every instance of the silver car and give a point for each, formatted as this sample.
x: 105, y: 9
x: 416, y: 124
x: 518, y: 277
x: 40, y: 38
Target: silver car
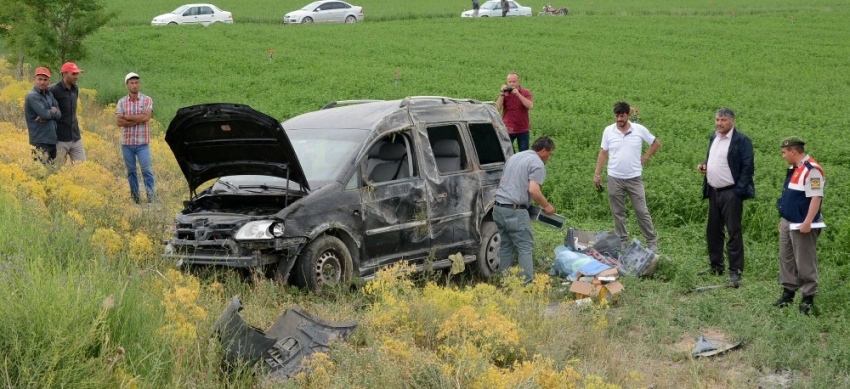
x: 325, y: 11
x: 493, y: 8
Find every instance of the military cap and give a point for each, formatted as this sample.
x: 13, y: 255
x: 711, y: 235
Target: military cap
x: 793, y: 141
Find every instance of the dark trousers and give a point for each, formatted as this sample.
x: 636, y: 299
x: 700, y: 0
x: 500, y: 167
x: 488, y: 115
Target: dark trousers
x: 724, y: 213
x: 521, y: 140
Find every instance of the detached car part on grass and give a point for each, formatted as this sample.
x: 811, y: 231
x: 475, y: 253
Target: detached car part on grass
x: 340, y: 192
x: 295, y: 335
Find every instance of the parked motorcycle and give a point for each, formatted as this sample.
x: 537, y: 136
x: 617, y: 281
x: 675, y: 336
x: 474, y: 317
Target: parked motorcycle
x: 549, y: 10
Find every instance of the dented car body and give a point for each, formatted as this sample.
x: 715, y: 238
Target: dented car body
x: 340, y: 192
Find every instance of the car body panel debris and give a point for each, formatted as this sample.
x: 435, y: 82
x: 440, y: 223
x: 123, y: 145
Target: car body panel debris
x: 706, y: 347
x: 295, y: 335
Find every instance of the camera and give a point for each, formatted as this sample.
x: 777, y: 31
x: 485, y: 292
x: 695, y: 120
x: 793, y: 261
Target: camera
x: 508, y: 89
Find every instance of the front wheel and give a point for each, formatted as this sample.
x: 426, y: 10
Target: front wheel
x: 307, y: 20
x: 487, y: 262
x: 325, y: 261
x: 350, y: 19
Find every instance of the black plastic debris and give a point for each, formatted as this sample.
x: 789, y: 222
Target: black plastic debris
x: 294, y: 336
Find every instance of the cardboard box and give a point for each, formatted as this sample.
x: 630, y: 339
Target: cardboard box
x: 609, y: 291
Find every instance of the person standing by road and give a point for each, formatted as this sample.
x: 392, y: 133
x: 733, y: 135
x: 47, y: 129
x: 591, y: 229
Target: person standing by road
x: 514, y: 102
x: 622, y: 143
x: 505, y: 8
x: 66, y: 92
x: 728, y: 170
x: 133, y: 115
x: 800, y: 204
x: 41, y: 111
x: 521, y: 181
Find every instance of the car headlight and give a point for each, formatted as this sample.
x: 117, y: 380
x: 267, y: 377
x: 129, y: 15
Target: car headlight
x: 262, y: 229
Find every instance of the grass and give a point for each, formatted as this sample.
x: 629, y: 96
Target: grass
x: 677, y: 61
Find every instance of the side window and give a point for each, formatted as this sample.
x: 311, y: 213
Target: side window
x: 448, y: 149
x: 391, y: 158
x: 191, y: 11
x: 206, y: 11
x: 487, y: 144
x: 513, y: 5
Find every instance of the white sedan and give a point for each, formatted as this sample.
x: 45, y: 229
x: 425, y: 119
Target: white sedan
x: 493, y: 8
x: 325, y: 11
x: 204, y: 14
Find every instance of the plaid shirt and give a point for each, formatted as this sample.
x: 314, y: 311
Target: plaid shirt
x: 139, y: 134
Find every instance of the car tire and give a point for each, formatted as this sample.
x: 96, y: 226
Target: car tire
x: 172, y: 24
x: 487, y: 261
x: 350, y: 19
x: 307, y: 20
x: 325, y: 261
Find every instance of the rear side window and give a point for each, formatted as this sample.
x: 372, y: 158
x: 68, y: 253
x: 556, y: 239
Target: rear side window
x: 447, y: 147
x: 487, y: 144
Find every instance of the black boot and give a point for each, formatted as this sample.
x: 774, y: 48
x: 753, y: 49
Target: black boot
x: 807, y: 305
x: 787, y: 298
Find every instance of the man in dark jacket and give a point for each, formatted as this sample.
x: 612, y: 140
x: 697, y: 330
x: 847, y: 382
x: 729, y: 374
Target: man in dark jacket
x: 66, y: 93
x: 41, y: 111
x: 728, y: 181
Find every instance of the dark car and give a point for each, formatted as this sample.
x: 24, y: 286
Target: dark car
x: 340, y: 192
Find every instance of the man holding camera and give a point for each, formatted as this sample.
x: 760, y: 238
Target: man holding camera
x: 514, y: 102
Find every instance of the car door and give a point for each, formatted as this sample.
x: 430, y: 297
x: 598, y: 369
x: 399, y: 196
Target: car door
x: 324, y: 12
x: 205, y: 15
x: 513, y: 10
x: 190, y: 16
x: 454, y: 190
x: 393, y: 204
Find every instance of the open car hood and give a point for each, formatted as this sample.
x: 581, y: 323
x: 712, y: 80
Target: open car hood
x: 216, y: 140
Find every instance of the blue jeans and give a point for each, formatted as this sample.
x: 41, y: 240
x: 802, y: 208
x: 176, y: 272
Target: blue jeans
x: 521, y: 140
x: 515, y: 232
x: 143, y: 153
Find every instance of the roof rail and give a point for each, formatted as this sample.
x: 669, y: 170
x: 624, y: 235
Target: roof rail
x: 334, y: 104
x: 407, y: 100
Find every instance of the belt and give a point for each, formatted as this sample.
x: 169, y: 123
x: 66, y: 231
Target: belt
x: 724, y: 188
x: 512, y: 206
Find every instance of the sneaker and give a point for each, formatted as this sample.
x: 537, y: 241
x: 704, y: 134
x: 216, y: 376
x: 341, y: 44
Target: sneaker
x: 734, y: 278
x: 786, y: 298
x: 711, y: 271
x: 653, y: 247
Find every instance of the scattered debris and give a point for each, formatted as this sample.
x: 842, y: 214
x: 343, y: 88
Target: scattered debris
x: 706, y: 347
x: 597, y: 280
x: 295, y: 335
x: 777, y: 379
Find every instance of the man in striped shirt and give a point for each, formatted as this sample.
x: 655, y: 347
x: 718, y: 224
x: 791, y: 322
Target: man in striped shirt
x: 134, y: 114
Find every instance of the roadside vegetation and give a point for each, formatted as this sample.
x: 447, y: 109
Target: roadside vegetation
x: 89, y: 303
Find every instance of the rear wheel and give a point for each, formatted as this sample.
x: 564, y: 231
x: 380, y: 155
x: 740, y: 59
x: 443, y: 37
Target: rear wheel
x: 325, y: 261
x: 350, y: 19
x: 172, y: 24
x: 487, y: 262
x: 307, y: 20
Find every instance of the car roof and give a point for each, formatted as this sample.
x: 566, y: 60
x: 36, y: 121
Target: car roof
x: 370, y: 115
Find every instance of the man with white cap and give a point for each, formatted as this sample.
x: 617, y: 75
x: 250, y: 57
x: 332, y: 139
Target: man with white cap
x: 133, y: 115
x: 66, y: 93
x: 41, y: 110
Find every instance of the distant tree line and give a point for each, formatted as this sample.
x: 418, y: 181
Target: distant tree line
x: 49, y: 32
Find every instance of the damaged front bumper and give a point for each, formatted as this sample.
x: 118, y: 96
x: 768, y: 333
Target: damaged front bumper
x: 232, y: 253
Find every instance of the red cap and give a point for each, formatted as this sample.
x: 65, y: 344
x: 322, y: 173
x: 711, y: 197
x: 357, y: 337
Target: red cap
x: 42, y: 71
x: 71, y: 67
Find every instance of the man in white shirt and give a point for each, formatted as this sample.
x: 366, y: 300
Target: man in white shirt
x: 622, y: 145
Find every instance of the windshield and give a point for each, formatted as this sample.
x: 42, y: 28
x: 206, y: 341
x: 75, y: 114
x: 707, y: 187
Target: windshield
x: 312, y: 6
x: 179, y: 11
x: 325, y: 153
